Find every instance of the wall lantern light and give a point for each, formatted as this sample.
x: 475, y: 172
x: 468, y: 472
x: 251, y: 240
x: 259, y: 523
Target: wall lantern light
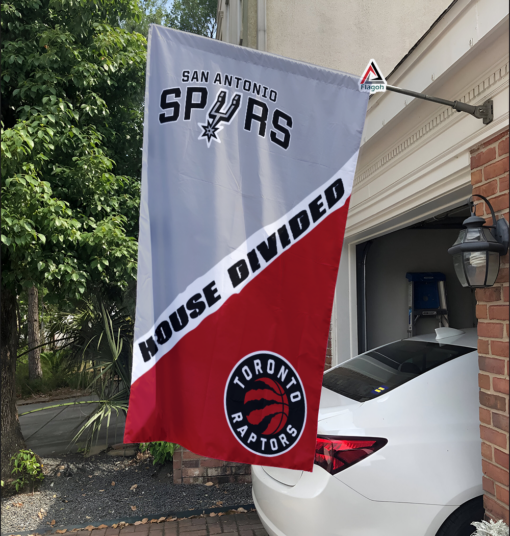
x: 478, y: 248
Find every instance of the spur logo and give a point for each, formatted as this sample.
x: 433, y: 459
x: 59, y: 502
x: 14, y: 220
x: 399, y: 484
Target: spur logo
x: 265, y: 404
x: 218, y: 115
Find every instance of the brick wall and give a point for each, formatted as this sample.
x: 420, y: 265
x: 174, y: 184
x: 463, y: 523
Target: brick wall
x: 489, y: 176
x: 191, y: 468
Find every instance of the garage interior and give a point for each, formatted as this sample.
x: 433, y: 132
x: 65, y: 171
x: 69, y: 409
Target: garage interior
x: 382, y: 287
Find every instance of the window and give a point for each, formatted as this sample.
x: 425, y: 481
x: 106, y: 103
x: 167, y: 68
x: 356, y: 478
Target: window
x: 369, y: 375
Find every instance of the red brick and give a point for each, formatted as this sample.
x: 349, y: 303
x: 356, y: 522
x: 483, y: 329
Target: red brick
x: 497, y: 312
x: 499, y: 348
x: 492, y: 141
x: 488, y: 485
x: 481, y: 312
x: 502, y: 276
x: 500, y: 421
x: 503, y: 184
x: 505, y: 258
x: 486, y: 189
x: 191, y: 463
x: 484, y: 382
x: 491, y: 294
x: 490, y: 364
x: 476, y: 177
x: 188, y: 455
x: 495, y: 170
x: 211, y: 463
x: 494, y: 472
x: 495, y: 509
x: 487, y: 451
x: 500, y: 385
x: 483, y: 346
x: 501, y: 458
x: 490, y: 330
x: 502, y: 494
x: 493, y: 436
x: 483, y: 157
x: 503, y: 147
x: 485, y: 416
x: 193, y: 471
x: 492, y: 401
x: 506, y: 293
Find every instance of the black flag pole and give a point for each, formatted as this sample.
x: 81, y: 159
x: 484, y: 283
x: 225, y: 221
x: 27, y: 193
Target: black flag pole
x: 484, y: 111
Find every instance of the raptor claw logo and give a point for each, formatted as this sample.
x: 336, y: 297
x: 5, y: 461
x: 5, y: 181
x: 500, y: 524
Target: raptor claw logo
x: 265, y: 404
x: 217, y: 116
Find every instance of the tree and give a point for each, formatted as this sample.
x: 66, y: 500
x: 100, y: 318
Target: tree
x: 151, y: 12
x: 72, y: 86
x: 194, y: 16
x: 34, y: 354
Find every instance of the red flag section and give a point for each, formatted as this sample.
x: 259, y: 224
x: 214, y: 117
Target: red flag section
x: 227, y: 389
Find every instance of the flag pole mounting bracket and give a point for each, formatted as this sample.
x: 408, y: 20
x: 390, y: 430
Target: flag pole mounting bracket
x: 484, y: 111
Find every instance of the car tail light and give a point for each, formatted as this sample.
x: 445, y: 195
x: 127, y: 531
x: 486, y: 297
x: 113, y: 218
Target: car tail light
x: 334, y: 454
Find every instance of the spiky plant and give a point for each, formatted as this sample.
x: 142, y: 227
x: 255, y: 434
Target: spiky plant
x: 489, y: 528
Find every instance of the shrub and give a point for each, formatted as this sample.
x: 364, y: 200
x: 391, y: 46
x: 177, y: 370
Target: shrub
x: 484, y: 528
x: 161, y: 451
x: 26, y: 468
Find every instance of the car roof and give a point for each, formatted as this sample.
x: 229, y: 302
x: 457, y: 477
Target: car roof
x: 467, y: 337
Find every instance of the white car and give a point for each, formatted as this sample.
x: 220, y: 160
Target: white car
x: 398, y: 449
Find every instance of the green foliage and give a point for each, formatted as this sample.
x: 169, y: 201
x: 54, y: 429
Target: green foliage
x: 151, y: 12
x: 58, y: 373
x: 56, y: 362
x: 161, y: 451
x: 110, y: 368
x: 194, y: 16
x: 26, y: 468
x: 72, y: 86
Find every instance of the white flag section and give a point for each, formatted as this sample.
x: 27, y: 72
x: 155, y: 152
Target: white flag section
x: 248, y: 166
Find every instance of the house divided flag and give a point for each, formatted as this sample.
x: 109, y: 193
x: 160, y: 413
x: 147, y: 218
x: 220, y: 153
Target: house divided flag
x: 248, y: 166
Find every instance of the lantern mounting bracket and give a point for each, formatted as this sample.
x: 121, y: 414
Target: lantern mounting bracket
x: 500, y: 230
x: 484, y: 111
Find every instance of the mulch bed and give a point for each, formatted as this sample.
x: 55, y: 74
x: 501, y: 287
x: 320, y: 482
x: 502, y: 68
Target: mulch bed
x: 78, y: 491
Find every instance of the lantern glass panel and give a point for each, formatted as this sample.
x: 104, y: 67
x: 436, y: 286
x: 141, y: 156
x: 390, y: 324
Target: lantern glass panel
x: 493, y: 269
x: 475, y: 264
x: 461, y: 237
x: 474, y: 235
x: 458, y: 264
x: 489, y: 236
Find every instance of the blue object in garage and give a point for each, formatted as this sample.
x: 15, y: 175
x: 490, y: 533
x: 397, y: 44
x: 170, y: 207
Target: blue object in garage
x: 426, y: 297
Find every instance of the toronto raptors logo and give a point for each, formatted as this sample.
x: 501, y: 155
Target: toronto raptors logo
x: 265, y: 404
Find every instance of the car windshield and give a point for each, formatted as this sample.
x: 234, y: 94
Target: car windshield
x: 369, y: 375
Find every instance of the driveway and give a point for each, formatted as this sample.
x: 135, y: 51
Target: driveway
x: 50, y: 432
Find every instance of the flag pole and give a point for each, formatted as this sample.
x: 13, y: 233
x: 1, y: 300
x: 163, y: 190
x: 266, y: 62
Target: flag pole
x: 484, y: 111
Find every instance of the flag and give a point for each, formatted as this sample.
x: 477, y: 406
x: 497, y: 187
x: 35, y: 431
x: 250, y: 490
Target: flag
x: 248, y: 165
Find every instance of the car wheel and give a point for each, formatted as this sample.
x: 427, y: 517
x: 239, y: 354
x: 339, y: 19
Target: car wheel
x: 459, y: 522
